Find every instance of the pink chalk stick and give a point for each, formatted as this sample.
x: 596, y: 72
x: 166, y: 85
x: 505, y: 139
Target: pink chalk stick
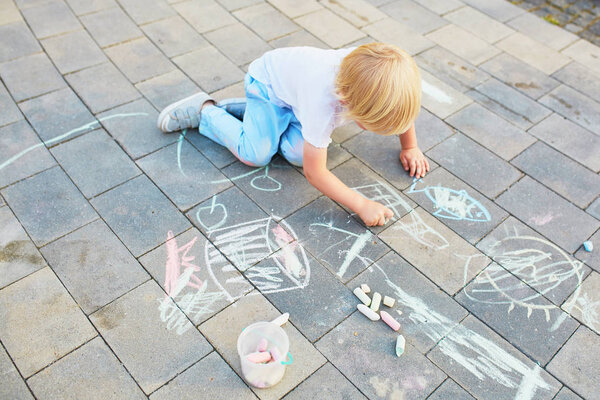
x: 259, y: 357
x: 262, y: 345
x: 388, y: 319
x: 275, y: 354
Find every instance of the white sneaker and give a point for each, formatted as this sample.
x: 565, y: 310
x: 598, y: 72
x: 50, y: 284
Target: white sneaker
x: 183, y: 114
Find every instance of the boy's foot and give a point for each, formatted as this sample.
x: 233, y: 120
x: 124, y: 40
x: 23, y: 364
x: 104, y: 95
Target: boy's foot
x: 183, y: 114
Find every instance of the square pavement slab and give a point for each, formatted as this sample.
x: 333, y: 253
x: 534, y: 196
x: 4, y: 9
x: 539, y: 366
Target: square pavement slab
x: 201, y: 286
x: 576, y: 365
x: 174, y: 36
x: 548, y: 213
x: 140, y: 214
x: 487, y: 366
x: 16, y: 40
x: 50, y: 18
x: 81, y: 7
x: 594, y: 209
x: 581, y: 79
x: 110, y: 26
x: 456, y: 204
x: 91, y: 372
x: 238, y: 43
x: 440, y: 98
x: 18, y: 255
x: 425, y: 312
x: 165, y: 89
x: 218, y: 155
x: 414, y: 15
x: 591, y: 258
x: 209, y: 379
x: 30, y: 76
x: 293, y: 281
x: 266, y: 21
x: 48, y: 205
x: 329, y: 27
x: 388, y: 30
x: 479, y: 24
x: 327, y: 382
x: 204, y: 16
x: 10, y: 111
x: 431, y: 130
x: 533, y: 52
x: 435, y: 250
x: 73, y: 51
x: 450, y: 390
x: 575, y: 106
x: 38, y: 313
x: 183, y: 174
x: 223, y: 329
x: 95, y: 162
x: 584, y: 303
x: 142, y: 337
x: 339, y: 242
x: 518, y: 313
x: 94, y: 266
x: 463, y: 43
x: 497, y: 108
x: 13, y: 386
x: 143, y: 12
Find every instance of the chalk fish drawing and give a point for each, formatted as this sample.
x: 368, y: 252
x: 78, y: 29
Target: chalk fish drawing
x: 453, y: 204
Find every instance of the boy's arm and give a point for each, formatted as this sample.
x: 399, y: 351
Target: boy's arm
x: 317, y: 174
x: 411, y: 156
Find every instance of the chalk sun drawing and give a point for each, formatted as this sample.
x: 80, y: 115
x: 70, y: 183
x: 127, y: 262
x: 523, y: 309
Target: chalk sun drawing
x: 453, y: 204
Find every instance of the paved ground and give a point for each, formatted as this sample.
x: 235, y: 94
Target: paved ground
x: 102, y: 216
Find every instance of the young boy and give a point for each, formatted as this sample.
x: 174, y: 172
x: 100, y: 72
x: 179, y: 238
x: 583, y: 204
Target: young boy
x: 296, y: 96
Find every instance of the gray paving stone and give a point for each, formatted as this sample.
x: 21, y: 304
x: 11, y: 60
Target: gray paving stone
x: 497, y: 9
x: 10, y: 111
x: 576, y: 365
x: 94, y: 266
x: 13, y: 386
x: 205, y: 15
x: 143, y: 12
x: 566, y: 394
x: 451, y: 69
x: 435, y: 250
x: 294, y: 9
x: 30, y: 76
x: 376, y: 374
x: 413, y: 15
x: 238, y: 43
x: 591, y: 258
x: 575, y: 106
x: 585, y: 53
x: 140, y: 336
x: 518, y: 313
x: 50, y: 18
x: 456, y: 204
x: 133, y: 125
x: 520, y: 75
x: 38, y: 313
x: 210, y: 378
x: 491, y: 131
x: 266, y: 21
x: 232, y: 5
x: 580, y: 78
x: 479, y: 24
x: 594, y: 209
x: 183, y: 174
x: 437, y: 6
x: 450, y: 390
x: 389, y: 30
x: 277, y: 188
x: 497, y: 108
x: 583, y: 303
x: 327, y: 382
x: 168, y: 88
x: 431, y: 130
x: 543, y: 31
x: 139, y: 60
x: 458, y: 154
x: 440, y: 98
x: 213, y: 284
x: 58, y: 116
x: 548, y: 213
x: 217, y: 154
x: 139, y: 214
x: 489, y: 367
x: 9, y: 13
x: 533, y: 52
x: 58, y: 207
x: 110, y: 26
x: 90, y: 372
x: 254, y: 308
x: 22, y: 153
x: 345, y: 132
x: 81, y: 7
x: 517, y: 248
x: 463, y: 43
x: 73, y: 51
x: 561, y: 174
x: 425, y: 312
x: 18, y: 255
x: 339, y: 242
x: 173, y: 36
x: 336, y: 155
x: 16, y: 40
x: 102, y: 87
x: 357, y: 12
x: 300, y: 38
x: 579, y: 144
x: 330, y: 28
x: 217, y: 74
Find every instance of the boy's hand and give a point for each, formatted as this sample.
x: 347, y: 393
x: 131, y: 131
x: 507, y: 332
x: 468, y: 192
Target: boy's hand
x: 414, y: 160
x: 374, y: 214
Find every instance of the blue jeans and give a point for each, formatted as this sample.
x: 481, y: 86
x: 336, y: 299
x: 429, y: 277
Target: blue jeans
x: 254, y: 129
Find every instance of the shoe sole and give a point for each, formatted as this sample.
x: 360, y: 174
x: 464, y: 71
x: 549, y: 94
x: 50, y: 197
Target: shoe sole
x: 163, y: 117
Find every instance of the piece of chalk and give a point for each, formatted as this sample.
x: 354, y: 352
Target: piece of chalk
x: 372, y: 315
x: 365, y: 288
x: 259, y: 357
x: 362, y: 296
x: 262, y: 345
x: 389, y: 301
x: 376, y: 301
x: 282, y: 319
x: 275, y: 354
x: 388, y: 319
x: 588, y: 246
x: 400, y: 344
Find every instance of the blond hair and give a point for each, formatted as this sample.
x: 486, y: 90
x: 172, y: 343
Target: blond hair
x: 380, y: 87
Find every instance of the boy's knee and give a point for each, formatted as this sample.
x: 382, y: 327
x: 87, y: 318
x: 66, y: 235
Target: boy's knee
x: 257, y: 159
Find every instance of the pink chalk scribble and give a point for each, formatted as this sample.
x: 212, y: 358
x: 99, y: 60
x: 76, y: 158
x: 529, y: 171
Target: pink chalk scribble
x: 174, y: 282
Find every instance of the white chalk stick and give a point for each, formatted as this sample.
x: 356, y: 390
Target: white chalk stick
x: 282, y: 319
x: 389, y: 301
x: 376, y: 301
x: 372, y: 315
x: 362, y: 296
x: 365, y: 288
x: 400, y: 345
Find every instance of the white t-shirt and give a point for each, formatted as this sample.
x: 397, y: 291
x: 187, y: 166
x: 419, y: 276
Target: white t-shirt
x: 303, y: 79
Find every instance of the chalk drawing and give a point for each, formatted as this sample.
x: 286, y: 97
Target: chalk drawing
x: 89, y: 126
x: 453, y: 204
x: 179, y: 145
x: 216, y: 209
x: 435, y: 92
x: 264, y: 182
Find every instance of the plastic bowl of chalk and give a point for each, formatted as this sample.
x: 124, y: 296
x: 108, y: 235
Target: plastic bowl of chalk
x: 262, y: 348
